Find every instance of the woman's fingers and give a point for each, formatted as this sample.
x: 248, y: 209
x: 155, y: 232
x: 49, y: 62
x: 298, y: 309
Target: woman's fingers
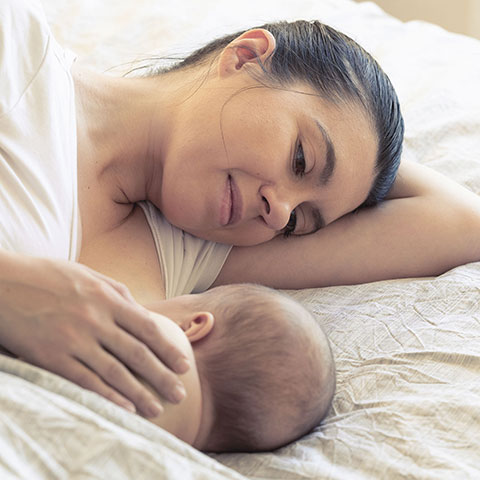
x: 129, y: 337
x: 139, y: 358
x: 115, y: 380
x: 78, y: 373
x: 138, y: 321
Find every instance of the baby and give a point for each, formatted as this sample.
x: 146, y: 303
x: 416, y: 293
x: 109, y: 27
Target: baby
x: 262, y: 370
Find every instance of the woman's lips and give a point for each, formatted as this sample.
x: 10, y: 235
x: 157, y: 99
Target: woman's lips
x: 231, y: 207
x: 236, y: 210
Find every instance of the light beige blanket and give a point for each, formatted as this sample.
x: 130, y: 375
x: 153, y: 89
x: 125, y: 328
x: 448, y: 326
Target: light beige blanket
x: 407, y: 351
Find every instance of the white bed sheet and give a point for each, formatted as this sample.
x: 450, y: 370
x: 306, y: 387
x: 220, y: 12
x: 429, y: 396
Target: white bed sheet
x: 407, y: 351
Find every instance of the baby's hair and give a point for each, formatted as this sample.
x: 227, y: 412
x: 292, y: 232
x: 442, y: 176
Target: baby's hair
x: 268, y: 367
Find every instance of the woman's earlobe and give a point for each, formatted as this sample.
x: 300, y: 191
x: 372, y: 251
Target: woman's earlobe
x: 199, y: 326
x: 251, y: 46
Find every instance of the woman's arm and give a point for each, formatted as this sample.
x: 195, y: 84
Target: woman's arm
x: 427, y: 226
x: 82, y: 325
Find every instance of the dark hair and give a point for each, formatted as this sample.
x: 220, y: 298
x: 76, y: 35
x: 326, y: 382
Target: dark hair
x: 268, y: 367
x: 338, y: 69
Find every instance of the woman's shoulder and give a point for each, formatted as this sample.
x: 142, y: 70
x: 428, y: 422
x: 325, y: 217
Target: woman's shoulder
x: 22, y: 18
x: 24, y: 39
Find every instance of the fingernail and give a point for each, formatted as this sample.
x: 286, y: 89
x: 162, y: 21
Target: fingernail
x: 178, y: 393
x: 154, y: 409
x: 182, y: 365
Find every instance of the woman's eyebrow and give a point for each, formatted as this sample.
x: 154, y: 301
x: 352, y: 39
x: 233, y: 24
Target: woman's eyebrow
x: 331, y: 159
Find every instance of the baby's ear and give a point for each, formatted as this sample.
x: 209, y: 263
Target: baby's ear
x: 199, y: 326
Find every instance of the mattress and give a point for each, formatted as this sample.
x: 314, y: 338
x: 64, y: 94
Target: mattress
x: 407, y: 404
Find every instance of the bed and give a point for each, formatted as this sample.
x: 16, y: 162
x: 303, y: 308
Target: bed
x: 407, y: 404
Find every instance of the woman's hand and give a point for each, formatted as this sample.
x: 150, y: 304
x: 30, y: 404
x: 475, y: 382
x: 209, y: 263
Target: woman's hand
x: 73, y: 321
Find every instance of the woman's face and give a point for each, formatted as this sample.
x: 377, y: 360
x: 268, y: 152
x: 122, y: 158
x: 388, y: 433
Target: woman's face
x: 243, y: 166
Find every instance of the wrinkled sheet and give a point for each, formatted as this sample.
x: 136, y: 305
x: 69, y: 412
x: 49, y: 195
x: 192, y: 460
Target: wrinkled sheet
x: 53, y: 429
x: 407, y: 351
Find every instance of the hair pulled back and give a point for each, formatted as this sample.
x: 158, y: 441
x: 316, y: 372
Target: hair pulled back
x: 339, y: 70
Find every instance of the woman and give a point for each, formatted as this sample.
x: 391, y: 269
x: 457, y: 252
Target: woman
x: 271, y: 133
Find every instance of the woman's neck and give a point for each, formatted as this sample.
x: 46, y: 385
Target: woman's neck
x: 120, y: 124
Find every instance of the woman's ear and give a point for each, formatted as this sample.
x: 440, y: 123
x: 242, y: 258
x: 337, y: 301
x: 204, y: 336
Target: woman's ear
x: 199, y: 326
x: 251, y: 46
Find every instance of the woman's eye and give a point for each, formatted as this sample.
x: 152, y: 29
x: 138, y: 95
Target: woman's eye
x: 299, y: 161
x: 290, y: 227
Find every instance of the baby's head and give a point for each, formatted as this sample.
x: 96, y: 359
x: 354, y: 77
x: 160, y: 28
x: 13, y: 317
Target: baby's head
x: 265, y: 366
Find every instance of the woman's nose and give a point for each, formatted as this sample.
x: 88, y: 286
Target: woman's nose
x: 276, y: 208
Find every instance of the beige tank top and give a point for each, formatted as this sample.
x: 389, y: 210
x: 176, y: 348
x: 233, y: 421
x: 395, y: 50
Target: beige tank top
x: 189, y: 264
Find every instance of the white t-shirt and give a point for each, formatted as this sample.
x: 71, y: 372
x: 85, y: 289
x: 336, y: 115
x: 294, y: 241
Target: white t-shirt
x: 38, y: 158
x: 38, y: 144
x: 189, y: 264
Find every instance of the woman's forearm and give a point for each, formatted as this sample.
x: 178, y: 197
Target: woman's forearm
x: 428, y: 225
